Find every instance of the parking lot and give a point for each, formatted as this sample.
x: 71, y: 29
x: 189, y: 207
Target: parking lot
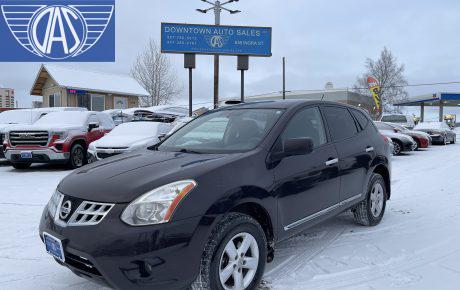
x: 416, y: 246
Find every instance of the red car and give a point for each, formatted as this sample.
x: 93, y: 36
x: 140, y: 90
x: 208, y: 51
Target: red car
x: 61, y: 137
x: 422, y: 139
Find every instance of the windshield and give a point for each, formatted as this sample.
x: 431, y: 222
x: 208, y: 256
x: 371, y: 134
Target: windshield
x: 16, y: 117
x: 234, y: 130
x: 394, y: 119
x: 68, y: 118
x: 136, y: 129
x: 431, y: 125
x: 383, y: 126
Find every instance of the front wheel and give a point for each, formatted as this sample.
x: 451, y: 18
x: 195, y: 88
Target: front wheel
x: 454, y: 140
x: 370, y: 211
x: 77, y: 156
x: 235, y: 255
x: 397, y: 147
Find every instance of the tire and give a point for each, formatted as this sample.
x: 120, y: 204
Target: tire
x: 215, y: 258
x: 77, y: 156
x: 397, y: 147
x: 454, y: 140
x: 417, y: 145
x: 21, y: 166
x: 444, y: 140
x: 366, y: 212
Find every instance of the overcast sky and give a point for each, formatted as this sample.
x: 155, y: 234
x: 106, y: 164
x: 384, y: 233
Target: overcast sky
x: 322, y: 41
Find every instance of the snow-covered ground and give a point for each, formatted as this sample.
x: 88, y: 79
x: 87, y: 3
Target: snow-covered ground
x: 417, y: 245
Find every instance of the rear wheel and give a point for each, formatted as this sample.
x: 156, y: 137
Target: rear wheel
x: 235, y: 255
x: 21, y: 165
x: 371, y: 210
x: 77, y: 156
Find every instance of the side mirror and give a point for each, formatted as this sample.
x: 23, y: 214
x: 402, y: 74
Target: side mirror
x: 92, y: 125
x: 298, y: 146
x: 292, y: 147
x: 161, y: 136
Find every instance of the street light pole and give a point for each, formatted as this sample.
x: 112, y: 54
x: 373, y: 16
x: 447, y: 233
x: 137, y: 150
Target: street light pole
x: 217, y: 11
x: 217, y: 6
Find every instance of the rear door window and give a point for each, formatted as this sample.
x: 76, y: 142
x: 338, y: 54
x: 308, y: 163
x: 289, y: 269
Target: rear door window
x: 341, y: 123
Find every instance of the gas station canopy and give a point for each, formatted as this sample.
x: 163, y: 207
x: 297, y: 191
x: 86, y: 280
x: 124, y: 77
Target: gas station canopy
x: 440, y: 100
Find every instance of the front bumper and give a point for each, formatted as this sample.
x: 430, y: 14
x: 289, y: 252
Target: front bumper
x: 38, y: 156
x: 163, y: 256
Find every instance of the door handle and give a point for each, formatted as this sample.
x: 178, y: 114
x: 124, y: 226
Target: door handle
x: 332, y: 161
x: 369, y: 149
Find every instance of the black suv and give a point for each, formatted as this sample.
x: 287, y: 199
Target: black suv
x: 207, y: 205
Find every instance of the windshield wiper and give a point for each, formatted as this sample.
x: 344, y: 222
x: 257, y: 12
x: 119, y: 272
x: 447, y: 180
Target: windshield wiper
x: 184, y: 150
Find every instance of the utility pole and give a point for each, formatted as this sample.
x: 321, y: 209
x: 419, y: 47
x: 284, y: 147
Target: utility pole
x: 217, y: 6
x: 284, y: 78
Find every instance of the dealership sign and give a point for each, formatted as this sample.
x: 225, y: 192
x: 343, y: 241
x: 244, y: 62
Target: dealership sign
x: 50, y: 30
x: 211, y: 39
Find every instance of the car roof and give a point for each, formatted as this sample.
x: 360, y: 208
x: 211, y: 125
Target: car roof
x: 280, y: 104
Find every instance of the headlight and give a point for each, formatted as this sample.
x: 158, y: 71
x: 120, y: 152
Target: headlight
x: 54, y: 203
x: 158, y: 205
x: 59, y: 136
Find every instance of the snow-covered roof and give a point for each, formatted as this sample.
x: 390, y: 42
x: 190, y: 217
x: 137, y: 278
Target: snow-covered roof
x: 89, y: 81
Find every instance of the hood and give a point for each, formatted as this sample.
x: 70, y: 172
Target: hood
x: 7, y: 127
x: 419, y: 134
x: 123, y: 178
x: 392, y: 134
x: 57, y: 127
x: 121, y: 141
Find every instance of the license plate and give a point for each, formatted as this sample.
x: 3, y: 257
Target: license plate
x: 26, y: 154
x: 54, y: 247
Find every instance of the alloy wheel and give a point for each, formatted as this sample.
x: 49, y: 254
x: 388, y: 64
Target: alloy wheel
x: 376, y: 198
x: 396, y: 148
x: 78, y: 157
x: 239, y: 262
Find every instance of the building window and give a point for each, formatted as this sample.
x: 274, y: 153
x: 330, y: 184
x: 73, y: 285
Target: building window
x: 55, y: 100
x: 51, y: 101
x: 97, y: 103
x: 120, y: 103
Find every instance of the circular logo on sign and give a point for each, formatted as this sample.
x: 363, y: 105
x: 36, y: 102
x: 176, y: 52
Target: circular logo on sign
x: 217, y: 41
x: 65, y: 210
x: 57, y: 31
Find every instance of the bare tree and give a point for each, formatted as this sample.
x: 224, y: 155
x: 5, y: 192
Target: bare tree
x: 153, y: 71
x: 389, y: 75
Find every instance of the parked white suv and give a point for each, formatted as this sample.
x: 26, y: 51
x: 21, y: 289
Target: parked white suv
x: 400, y: 119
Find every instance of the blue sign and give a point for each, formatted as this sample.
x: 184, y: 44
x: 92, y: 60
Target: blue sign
x: 57, y: 30
x: 211, y: 39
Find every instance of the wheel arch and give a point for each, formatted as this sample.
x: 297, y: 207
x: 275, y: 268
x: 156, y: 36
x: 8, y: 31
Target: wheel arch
x: 385, y: 173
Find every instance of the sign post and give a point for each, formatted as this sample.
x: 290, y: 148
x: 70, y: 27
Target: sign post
x: 243, y: 64
x: 190, y: 63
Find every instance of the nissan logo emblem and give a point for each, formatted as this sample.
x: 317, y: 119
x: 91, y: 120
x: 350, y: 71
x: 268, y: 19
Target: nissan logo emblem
x: 65, y: 210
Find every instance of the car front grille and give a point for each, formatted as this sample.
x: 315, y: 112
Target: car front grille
x: 71, y: 211
x: 81, y: 264
x: 29, y: 138
x: 89, y: 213
x: 101, y: 155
